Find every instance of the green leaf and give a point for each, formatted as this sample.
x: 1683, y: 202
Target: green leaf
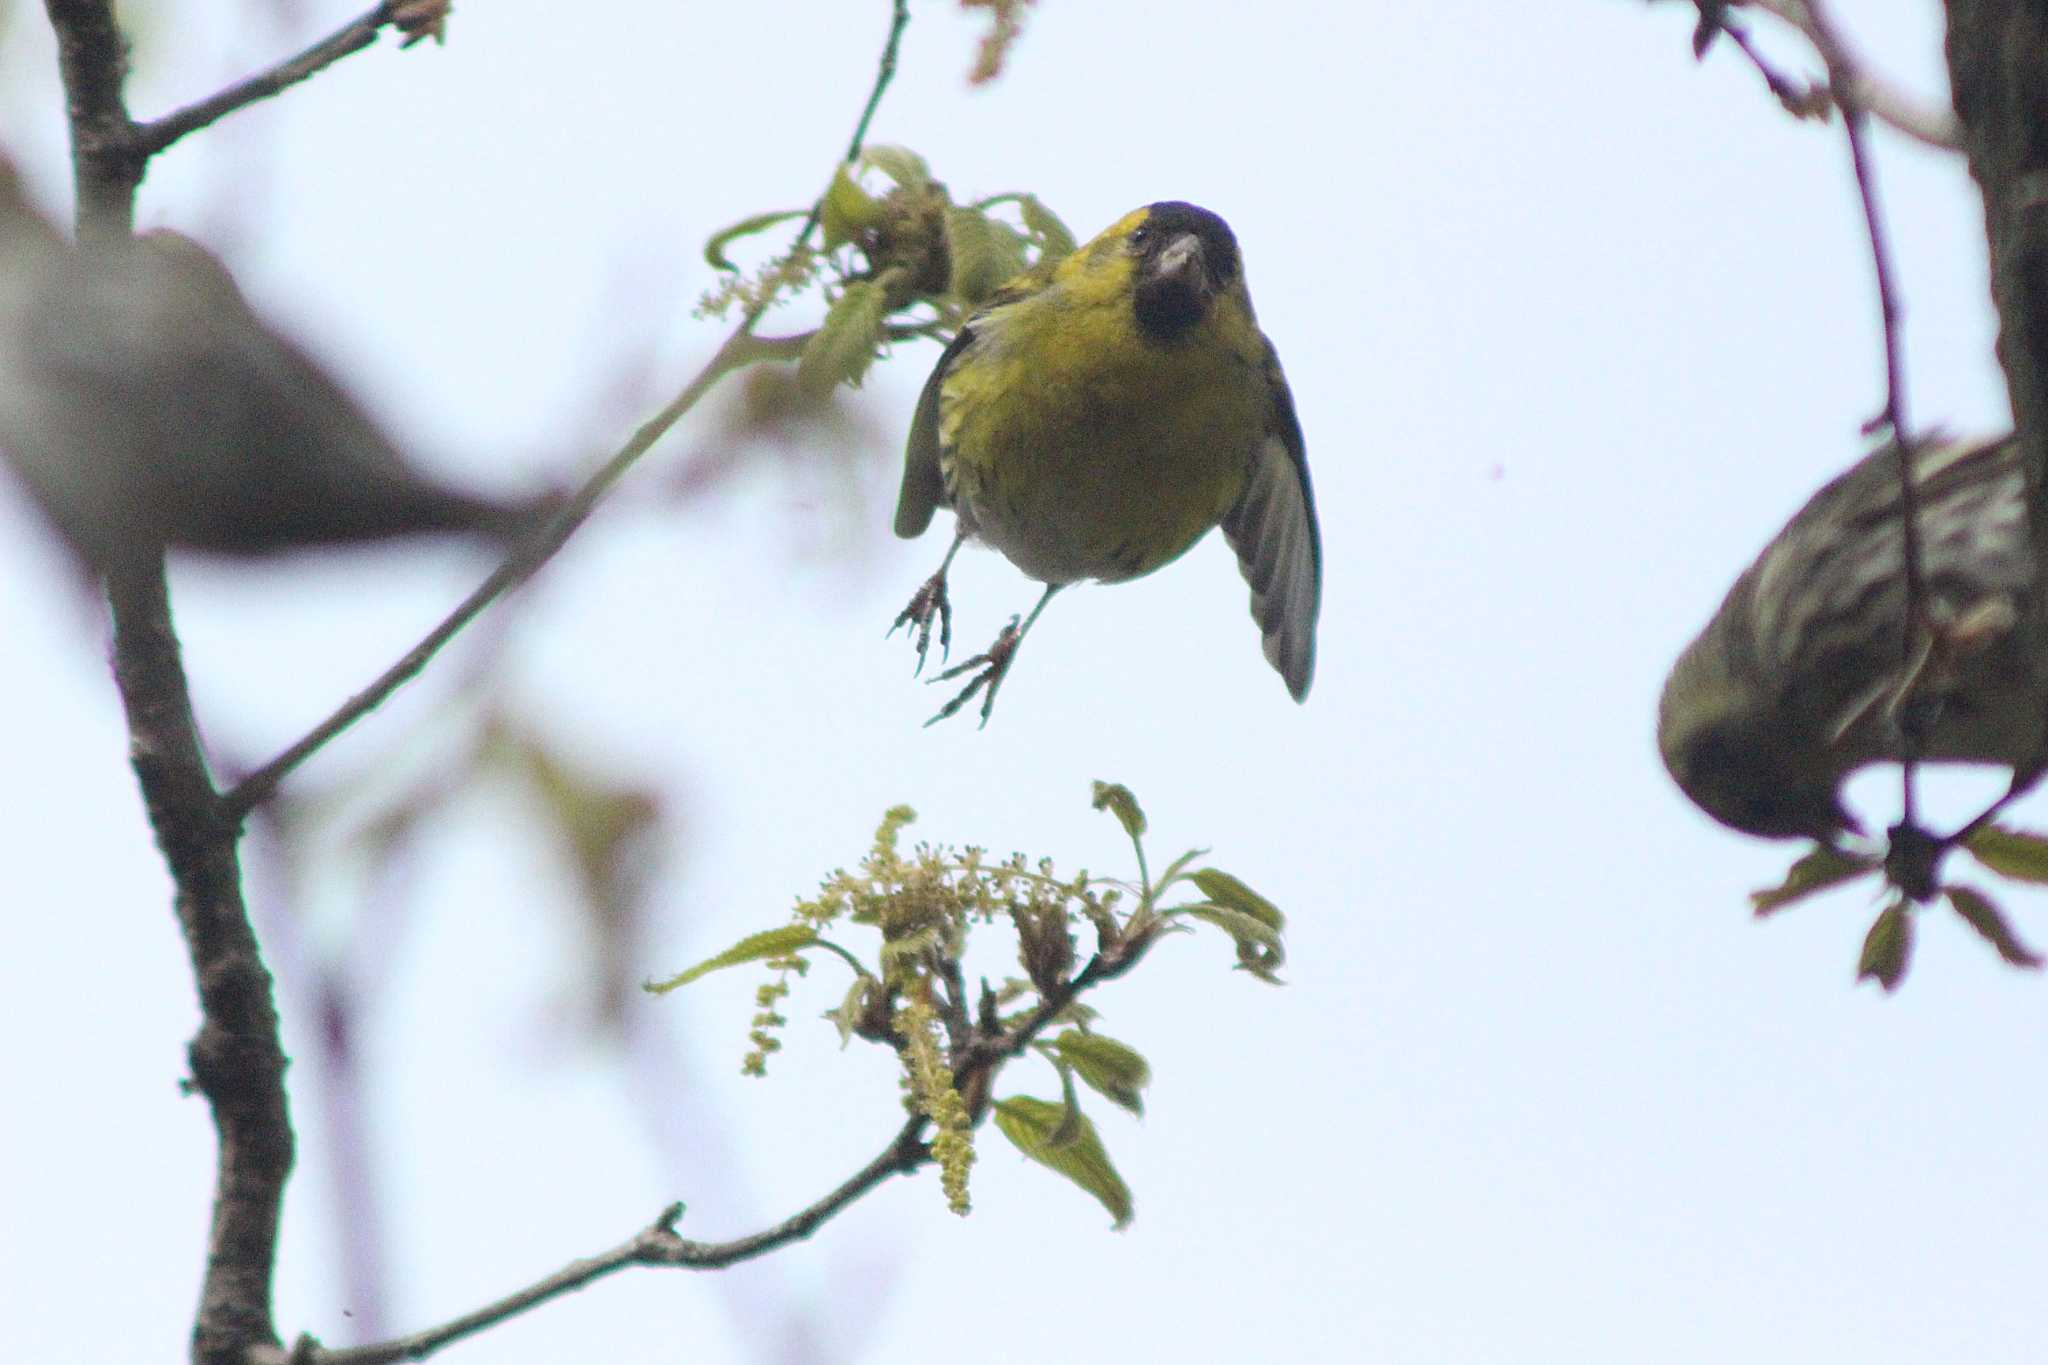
x: 1888, y: 947
x: 1043, y: 225
x: 984, y: 253
x: 1259, y: 950
x: 1031, y: 1125
x: 1232, y: 894
x: 714, y: 250
x: 1821, y: 868
x: 1111, y: 1069
x: 1981, y: 914
x: 2010, y: 853
x: 847, y: 209
x: 790, y: 938
x: 1054, y: 240
x: 854, y: 1008
x: 1116, y: 798
x: 843, y: 347
x: 900, y: 164
x: 1176, y: 869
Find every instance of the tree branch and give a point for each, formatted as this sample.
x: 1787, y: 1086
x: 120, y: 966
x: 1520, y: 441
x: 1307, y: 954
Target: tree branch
x: 1884, y: 101
x: 92, y: 58
x: 976, y: 1061
x: 658, y: 1244
x: 740, y: 349
x: 1998, y: 71
x: 237, y: 1061
x: 150, y: 138
x: 1846, y: 85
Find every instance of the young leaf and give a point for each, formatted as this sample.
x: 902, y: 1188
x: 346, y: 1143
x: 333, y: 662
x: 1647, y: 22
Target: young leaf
x: 768, y: 943
x: 1259, y: 950
x: 1031, y: 1126
x: 843, y: 347
x: 900, y: 164
x: 1232, y: 894
x: 1821, y: 868
x: 1888, y: 947
x: 985, y: 253
x: 1041, y: 223
x: 1053, y: 238
x: 1116, y: 798
x: 1981, y: 914
x: 714, y: 250
x: 846, y: 209
x: 1111, y: 1069
x: 2010, y: 853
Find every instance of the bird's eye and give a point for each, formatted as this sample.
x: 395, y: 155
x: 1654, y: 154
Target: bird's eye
x: 1141, y: 234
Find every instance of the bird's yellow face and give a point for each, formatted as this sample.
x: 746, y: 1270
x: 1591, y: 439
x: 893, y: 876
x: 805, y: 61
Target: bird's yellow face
x: 1170, y: 263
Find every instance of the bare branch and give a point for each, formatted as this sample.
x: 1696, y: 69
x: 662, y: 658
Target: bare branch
x: 741, y: 349
x: 1844, y: 81
x: 1882, y: 100
x: 92, y: 57
x: 236, y: 1059
x: 152, y: 137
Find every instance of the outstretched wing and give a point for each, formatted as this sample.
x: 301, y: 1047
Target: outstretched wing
x: 1272, y: 528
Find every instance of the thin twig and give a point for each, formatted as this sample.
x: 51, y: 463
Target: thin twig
x: 655, y: 1245
x: 1883, y: 101
x: 352, y: 37
x: 974, y: 1069
x: 741, y: 349
x: 1843, y: 81
x: 1800, y: 99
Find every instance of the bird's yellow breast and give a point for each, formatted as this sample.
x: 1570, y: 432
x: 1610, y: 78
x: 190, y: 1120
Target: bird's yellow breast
x: 1082, y: 448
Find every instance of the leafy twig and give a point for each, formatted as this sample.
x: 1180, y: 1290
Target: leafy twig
x: 659, y: 1245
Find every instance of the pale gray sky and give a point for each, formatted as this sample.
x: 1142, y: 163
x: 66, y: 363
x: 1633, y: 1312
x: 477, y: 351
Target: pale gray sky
x: 1572, y: 324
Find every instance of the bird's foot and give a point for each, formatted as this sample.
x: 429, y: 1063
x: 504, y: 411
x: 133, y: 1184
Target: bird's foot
x: 994, y: 664
x: 927, y: 602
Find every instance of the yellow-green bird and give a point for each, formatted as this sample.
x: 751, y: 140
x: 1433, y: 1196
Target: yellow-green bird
x: 1098, y: 416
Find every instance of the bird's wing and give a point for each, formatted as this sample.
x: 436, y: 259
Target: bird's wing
x: 1272, y: 528
x: 924, y: 481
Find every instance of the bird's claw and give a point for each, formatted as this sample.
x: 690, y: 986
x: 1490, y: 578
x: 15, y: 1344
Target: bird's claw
x: 928, y: 601
x: 994, y: 664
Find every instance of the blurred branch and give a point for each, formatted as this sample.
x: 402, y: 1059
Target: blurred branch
x: 1998, y: 71
x: 741, y: 349
x: 236, y: 1057
x: 150, y: 138
x: 1846, y: 84
x: 1884, y: 101
x: 977, y: 1057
